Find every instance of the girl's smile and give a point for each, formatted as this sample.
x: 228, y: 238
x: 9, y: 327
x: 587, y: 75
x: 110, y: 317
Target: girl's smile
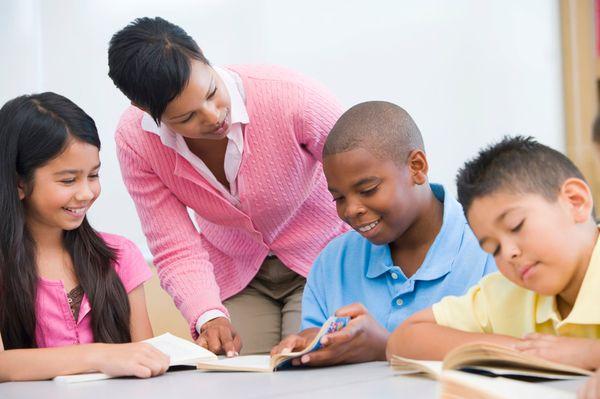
x: 63, y: 189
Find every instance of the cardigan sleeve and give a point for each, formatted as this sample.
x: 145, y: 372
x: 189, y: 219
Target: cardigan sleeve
x: 320, y: 111
x: 182, y: 263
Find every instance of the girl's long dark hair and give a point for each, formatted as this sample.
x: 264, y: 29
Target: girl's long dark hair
x: 35, y: 129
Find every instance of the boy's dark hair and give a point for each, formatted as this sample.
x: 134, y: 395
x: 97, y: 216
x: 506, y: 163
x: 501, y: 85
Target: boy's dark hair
x: 516, y: 164
x: 596, y: 130
x: 149, y: 61
x: 383, y: 128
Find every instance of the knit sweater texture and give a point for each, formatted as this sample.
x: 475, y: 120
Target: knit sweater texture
x: 284, y: 206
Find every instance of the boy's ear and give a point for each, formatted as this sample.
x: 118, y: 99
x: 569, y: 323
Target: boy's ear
x: 578, y: 196
x: 418, y: 166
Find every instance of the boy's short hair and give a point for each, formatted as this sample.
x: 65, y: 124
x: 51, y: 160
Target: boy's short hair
x: 516, y: 164
x: 149, y: 61
x: 383, y: 128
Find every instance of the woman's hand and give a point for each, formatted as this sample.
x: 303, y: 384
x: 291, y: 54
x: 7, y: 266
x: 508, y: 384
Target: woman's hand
x: 136, y: 359
x: 219, y: 336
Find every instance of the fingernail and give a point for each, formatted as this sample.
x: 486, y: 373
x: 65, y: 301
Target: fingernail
x: 236, y: 353
x: 324, y: 340
x: 230, y: 354
x: 285, y: 351
x: 305, y: 359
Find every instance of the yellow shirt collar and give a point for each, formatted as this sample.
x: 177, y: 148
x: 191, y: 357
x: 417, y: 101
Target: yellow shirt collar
x: 586, y: 309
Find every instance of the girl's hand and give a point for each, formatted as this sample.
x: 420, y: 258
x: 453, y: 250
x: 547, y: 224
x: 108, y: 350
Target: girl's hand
x: 580, y: 352
x: 135, y: 359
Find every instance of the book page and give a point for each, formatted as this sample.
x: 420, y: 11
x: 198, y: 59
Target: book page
x: 283, y: 361
x: 239, y: 363
x: 84, y: 377
x: 431, y: 367
x: 485, y: 354
x: 265, y: 363
x: 181, y: 352
x: 509, y: 372
x: 456, y: 384
x: 331, y: 325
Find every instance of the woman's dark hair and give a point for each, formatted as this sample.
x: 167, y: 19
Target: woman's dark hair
x: 149, y: 61
x: 34, y: 130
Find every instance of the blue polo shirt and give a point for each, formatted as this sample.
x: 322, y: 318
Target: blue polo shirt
x: 351, y: 269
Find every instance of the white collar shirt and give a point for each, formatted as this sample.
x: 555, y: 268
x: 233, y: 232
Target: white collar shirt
x: 235, y: 145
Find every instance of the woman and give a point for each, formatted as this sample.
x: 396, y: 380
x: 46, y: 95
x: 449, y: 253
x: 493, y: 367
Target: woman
x: 241, y: 147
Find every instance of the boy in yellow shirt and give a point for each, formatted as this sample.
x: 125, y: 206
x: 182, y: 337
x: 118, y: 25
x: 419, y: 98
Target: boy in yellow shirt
x: 531, y: 208
x: 592, y: 387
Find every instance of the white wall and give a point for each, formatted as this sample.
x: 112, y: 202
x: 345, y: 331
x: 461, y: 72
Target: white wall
x: 20, y: 48
x: 469, y: 71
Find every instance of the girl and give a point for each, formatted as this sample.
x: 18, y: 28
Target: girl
x: 61, y: 283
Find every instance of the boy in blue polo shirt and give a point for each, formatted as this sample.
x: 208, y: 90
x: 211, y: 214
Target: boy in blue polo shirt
x: 411, y: 245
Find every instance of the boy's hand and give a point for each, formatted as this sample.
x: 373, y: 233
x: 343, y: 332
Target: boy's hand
x: 362, y: 340
x: 591, y: 389
x: 580, y: 352
x: 219, y: 336
x: 295, y: 342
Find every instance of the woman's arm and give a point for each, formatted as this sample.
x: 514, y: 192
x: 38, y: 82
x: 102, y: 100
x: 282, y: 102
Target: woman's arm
x: 136, y: 359
x: 141, y: 328
x: 182, y: 262
x: 420, y: 337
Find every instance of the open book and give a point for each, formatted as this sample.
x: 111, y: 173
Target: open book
x: 493, y: 360
x: 181, y: 352
x: 456, y: 384
x: 266, y: 363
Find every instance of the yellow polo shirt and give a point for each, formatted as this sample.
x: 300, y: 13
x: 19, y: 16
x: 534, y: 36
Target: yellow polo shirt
x: 497, y: 306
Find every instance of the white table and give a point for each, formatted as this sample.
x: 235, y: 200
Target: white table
x: 367, y: 380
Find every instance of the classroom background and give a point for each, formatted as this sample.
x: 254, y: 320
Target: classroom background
x: 469, y: 71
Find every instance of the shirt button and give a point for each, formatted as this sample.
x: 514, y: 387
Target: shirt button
x: 69, y: 300
x: 399, y: 302
x: 394, y: 276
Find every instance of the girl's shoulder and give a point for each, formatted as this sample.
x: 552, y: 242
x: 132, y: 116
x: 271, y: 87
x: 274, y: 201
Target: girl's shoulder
x: 117, y: 242
x: 130, y: 264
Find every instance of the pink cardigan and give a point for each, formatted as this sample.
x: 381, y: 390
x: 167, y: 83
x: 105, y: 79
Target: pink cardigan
x: 285, y: 206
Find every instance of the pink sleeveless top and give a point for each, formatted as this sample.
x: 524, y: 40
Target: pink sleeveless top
x: 56, y: 325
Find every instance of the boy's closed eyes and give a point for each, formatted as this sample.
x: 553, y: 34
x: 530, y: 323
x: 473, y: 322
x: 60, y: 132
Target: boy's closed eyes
x: 531, y: 208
